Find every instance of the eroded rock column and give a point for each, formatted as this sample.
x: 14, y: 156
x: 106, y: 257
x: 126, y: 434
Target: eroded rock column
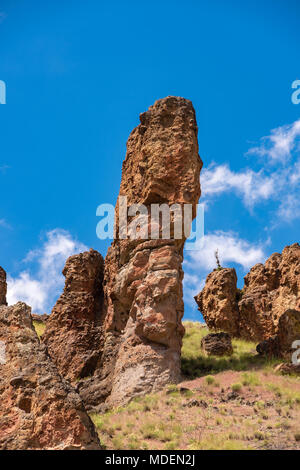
x: 73, y: 332
x: 3, y: 287
x: 143, y: 278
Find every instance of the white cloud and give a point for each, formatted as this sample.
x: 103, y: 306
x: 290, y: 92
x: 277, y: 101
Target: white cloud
x: 231, y: 248
x: 250, y: 185
x: 4, y: 224
x: 278, y: 146
x: 40, y: 290
x: 280, y: 184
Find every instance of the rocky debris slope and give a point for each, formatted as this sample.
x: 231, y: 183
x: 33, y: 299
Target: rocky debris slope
x: 3, y: 287
x: 142, y: 330
x: 217, y: 344
x: 263, y: 308
x: 38, y: 408
x: 73, y: 330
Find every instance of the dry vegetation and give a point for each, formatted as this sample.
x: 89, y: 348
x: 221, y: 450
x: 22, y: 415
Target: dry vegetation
x: 231, y: 403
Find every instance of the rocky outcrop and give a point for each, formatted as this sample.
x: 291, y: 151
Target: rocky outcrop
x: 218, y: 301
x: 73, y: 330
x: 40, y: 318
x: 3, y: 287
x: 217, y: 344
x: 269, y: 291
x: 142, y: 330
x: 38, y: 408
x: 287, y: 332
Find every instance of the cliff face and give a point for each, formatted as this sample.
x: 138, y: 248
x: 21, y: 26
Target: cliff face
x: 38, y: 408
x: 270, y: 290
x: 3, y: 287
x: 73, y: 330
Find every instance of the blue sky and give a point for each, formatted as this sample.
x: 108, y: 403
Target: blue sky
x: 79, y: 73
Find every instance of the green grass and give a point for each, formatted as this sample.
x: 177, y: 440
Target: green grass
x: 39, y: 327
x: 195, y: 363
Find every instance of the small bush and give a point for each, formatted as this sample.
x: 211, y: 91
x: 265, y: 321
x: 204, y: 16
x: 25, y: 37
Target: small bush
x: 236, y: 387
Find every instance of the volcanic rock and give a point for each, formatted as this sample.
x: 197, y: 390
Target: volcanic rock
x: 38, y: 408
x: 269, y: 291
x: 218, y: 301
x: 217, y: 344
x: 40, y: 318
x: 143, y: 278
x: 73, y: 330
x: 3, y: 287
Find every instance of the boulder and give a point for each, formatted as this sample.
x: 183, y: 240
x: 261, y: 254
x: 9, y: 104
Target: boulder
x: 38, y: 408
x: 217, y: 344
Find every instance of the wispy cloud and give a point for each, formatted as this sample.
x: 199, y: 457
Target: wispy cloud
x: 41, y: 289
x: 250, y: 185
x: 4, y: 224
x: 232, y: 250
x: 279, y: 184
x: 280, y: 144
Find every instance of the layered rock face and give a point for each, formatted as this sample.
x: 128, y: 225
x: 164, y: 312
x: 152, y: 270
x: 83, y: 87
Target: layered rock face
x: 254, y: 313
x: 143, y: 278
x: 73, y: 330
x: 38, y: 408
x: 3, y: 287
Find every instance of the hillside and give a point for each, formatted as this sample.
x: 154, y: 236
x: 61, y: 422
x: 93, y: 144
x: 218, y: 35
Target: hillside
x: 236, y: 402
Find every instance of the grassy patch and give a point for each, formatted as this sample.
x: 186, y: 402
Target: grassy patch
x: 195, y: 363
x: 39, y: 327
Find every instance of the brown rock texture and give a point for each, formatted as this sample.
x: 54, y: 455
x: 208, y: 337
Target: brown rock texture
x: 142, y: 330
x: 287, y: 332
x: 218, y: 301
x: 38, y: 408
x: 3, y: 287
x: 40, y: 318
x: 73, y: 331
x: 217, y: 344
x: 270, y: 290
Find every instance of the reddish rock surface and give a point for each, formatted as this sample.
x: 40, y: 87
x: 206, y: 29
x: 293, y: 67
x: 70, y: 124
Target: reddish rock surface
x: 73, y: 331
x: 218, y: 301
x: 38, y: 408
x: 143, y: 278
x: 40, y: 318
x: 3, y: 287
x: 270, y: 290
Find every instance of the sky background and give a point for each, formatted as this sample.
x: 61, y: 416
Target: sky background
x: 78, y: 74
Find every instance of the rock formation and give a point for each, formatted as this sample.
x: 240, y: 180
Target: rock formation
x: 287, y: 332
x: 217, y: 344
x: 40, y: 318
x: 3, y: 287
x: 73, y: 332
x: 218, y: 301
x: 38, y: 408
x: 254, y: 313
x: 140, y: 328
